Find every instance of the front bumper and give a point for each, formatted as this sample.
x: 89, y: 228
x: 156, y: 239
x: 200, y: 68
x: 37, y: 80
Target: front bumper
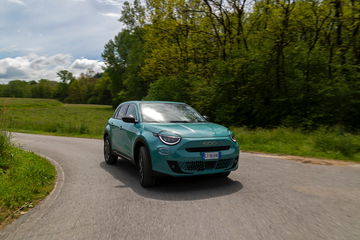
x: 185, y: 159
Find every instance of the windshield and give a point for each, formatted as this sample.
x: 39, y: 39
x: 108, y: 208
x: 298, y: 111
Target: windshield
x: 169, y: 113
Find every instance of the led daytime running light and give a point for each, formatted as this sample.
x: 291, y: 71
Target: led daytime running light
x: 169, y: 140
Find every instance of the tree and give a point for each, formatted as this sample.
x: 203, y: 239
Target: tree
x: 65, y: 76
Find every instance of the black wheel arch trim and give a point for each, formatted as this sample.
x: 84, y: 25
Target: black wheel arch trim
x: 143, y: 142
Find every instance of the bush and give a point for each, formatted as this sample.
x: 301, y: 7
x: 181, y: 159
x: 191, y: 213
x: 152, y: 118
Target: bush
x: 332, y: 142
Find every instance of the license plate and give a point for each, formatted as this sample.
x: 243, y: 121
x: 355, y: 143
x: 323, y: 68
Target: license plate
x: 211, y: 155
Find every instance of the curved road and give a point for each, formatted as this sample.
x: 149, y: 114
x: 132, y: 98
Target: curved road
x: 267, y: 198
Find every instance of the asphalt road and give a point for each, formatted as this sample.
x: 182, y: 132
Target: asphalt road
x: 267, y: 198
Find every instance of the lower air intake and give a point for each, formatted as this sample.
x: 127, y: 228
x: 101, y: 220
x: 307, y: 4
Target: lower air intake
x: 193, y: 166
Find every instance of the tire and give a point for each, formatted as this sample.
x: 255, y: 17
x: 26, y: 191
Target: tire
x: 146, y: 176
x: 223, y: 174
x: 109, y: 157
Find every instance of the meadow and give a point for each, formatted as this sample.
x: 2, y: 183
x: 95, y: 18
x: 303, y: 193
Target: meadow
x: 48, y: 116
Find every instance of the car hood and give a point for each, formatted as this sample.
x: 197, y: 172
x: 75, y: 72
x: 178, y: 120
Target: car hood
x: 189, y: 130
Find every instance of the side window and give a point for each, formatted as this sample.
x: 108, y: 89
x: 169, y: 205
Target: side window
x: 122, y: 111
x: 132, y: 111
x: 117, y: 111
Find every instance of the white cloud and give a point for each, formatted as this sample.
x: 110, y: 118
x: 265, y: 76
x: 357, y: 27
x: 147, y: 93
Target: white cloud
x: 112, y: 2
x: 80, y: 65
x: 35, y: 67
x: 20, y: 2
x: 114, y: 15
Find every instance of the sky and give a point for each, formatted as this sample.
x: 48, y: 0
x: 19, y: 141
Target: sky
x: 38, y: 38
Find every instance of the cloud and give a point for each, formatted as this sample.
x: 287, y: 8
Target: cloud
x: 112, y: 2
x: 84, y: 64
x: 77, y: 27
x: 114, y: 15
x: 20, y: 2
x: 35, y: 67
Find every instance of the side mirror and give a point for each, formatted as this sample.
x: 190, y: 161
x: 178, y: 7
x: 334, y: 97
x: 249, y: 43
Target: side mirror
x: 206, y: 117
x: 129, y: 119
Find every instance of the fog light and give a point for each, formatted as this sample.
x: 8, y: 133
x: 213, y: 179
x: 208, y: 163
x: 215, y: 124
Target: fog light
x: 174, y: 166
x: 163, y: 150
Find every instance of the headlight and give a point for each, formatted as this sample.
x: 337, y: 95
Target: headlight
x: 168, y: 138
x: 232, y: 136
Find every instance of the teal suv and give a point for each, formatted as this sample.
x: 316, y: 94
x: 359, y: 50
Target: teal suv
x: 168, y: 138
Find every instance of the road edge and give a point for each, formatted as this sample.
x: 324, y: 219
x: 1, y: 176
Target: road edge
x: 39, y: 210
x: 305, y: 160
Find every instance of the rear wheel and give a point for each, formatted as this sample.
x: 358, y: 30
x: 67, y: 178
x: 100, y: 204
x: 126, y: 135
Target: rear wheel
x: 146, y: 175
x: 110, y: 158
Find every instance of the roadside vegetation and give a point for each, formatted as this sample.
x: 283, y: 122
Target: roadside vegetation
x: 328, y: 144
x: 25, y: 178
x: 48, y: 116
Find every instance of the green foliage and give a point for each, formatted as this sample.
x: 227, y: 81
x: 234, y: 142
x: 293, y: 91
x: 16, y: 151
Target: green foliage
x: 65, y: 76
x: 346, y: 144
x: 266, y: 64
x: 89, y: 87
x: 173, y: 88
x: 333, y: 144
x: 124, y: 57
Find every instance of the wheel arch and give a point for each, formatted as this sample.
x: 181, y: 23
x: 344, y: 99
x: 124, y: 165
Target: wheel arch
x: 139, y: 143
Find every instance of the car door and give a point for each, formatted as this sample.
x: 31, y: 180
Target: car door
x: 117, y: 134
x: 130, y: 130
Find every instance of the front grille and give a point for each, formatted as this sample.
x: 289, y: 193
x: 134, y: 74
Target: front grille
x: 208, y: 149
x: 192, y: 166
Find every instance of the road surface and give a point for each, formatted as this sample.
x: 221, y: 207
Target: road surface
x: 267, y: 198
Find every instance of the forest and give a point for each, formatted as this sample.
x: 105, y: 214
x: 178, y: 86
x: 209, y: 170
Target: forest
x: 254, y: 63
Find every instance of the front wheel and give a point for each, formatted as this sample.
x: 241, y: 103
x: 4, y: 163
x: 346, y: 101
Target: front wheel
x: 110, y: 158
x: 146, y: 176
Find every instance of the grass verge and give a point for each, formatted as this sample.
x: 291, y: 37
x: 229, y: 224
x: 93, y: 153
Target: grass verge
x: 25, y: 179
x: 333, y: 144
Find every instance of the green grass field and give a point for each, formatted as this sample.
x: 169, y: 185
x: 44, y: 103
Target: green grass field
x: 48, y: 116
x: 25, y: 179
x: 333, y: 144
